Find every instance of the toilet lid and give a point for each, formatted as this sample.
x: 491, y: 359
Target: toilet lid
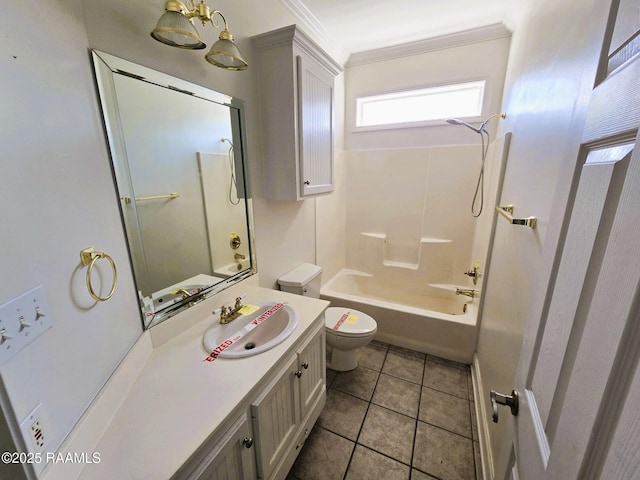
x: 349, y: 322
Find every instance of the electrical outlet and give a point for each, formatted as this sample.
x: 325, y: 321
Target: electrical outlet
x: 35, y: 431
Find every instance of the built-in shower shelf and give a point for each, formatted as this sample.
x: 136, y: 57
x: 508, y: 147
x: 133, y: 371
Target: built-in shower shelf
x: 398, y: 260
x: 435, y: 240
x: 409, y: 266
x: 381, y: 236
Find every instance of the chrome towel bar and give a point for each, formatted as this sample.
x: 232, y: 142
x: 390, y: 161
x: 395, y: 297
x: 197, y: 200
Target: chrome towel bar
x: 507, y: 212
x: 155, y: 197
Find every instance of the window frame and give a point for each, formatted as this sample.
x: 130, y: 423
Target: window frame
x: 420, y: 123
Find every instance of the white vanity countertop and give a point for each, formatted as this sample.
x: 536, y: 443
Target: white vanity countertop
x: 179, y: 399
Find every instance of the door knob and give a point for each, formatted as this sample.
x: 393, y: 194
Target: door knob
x: 510, y: 401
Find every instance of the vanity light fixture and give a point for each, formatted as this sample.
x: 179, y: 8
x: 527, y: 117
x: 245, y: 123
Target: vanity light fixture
x: 175, y: 28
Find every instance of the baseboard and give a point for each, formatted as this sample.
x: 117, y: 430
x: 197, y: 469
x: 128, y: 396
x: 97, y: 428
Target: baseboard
x: 479, y: 396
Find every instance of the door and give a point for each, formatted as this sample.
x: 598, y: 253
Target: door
x: 577, y: 393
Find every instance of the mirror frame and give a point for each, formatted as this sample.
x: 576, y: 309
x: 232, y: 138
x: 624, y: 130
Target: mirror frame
x: 105, y: 67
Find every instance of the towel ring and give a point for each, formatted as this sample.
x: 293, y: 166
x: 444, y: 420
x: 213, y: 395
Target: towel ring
x: 89, y: 257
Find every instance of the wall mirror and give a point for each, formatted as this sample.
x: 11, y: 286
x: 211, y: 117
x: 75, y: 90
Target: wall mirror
x: 178, y: 158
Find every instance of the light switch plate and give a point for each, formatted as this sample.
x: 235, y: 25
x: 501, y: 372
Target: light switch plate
x: 22, y: 320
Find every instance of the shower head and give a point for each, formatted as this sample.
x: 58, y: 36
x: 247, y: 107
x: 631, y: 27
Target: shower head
x: 223, y: 139
x: 480, y: 129
x: 457, y: 121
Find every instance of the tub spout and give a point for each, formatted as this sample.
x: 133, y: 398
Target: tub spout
x: 466, y: 292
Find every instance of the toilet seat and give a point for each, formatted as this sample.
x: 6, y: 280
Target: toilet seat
x: 347, y: 322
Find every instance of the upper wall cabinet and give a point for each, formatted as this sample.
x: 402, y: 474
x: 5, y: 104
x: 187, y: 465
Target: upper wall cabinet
x: 295, y: 79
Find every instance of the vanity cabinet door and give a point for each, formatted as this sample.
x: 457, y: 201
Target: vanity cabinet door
x: 233, y: 456
x: 312, y: 368
x: 276, y: 416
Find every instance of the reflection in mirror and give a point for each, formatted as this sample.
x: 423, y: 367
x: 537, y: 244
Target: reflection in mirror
x: 177, y: 152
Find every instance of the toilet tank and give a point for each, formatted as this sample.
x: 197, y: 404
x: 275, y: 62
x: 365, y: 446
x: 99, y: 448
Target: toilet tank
x: 304, y: 280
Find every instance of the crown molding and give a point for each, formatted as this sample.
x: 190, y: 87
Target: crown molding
x: 475, y: 35
x: 317, y: 29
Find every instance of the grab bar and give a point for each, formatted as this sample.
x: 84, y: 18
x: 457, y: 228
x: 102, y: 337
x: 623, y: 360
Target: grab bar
x: 155, y: 197
x: 507, y: 212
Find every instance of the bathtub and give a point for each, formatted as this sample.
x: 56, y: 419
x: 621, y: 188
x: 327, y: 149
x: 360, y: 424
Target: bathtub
x: 426, y: 318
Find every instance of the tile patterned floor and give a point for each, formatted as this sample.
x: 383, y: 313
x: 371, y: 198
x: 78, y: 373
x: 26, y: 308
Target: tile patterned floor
x: 400, y: 415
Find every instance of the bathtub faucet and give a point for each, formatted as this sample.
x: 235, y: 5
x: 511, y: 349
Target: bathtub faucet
x: 466, y: 292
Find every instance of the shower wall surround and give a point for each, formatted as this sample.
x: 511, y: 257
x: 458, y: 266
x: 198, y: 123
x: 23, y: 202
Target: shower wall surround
x: 410, y: 209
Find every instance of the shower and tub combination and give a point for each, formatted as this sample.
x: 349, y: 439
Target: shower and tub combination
x: 417, y: 267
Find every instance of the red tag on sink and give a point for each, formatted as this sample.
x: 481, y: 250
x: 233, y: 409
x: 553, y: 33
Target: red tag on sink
x: 215, y: 353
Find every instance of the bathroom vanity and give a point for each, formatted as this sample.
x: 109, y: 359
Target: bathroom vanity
x: 175, y: 409
x: 183, y: 417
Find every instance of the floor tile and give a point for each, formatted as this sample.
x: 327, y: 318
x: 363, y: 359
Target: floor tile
x: 443, y: 454
x: 448, y: 363
x: 402, y: 365
x: 445, y: 411
x: 359, y: 382
x: 367, y: 464
x: 407, y: 351
x: 397, y: 394
x: 343, y: 414
x: 325, y: 456
x: 418, y: 475
x: 474, y: 422
x: 470, y: 386
x: 446, y: 379
x: 331, y: 374
x: 388, y: 432
x: 379, y: 410
x: 372, y: 356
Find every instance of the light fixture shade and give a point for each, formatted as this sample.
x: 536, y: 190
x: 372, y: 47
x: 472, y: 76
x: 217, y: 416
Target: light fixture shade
x: 176, y: 29
x: 225, y: 54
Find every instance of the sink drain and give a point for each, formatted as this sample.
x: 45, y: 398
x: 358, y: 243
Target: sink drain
x: 249, y: 346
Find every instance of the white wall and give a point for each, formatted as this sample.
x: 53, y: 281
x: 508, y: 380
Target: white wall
x: 409, y: 194
x: 552, y: 67
x: 58, y: 192
x: 457, y: 63
x: 58, y: 197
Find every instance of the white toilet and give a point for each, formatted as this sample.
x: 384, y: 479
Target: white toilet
x: 346, y: 329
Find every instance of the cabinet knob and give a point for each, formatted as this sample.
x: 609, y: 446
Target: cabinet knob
x: 298, y: 373
x: 247, y: 442
x: 307, y: 182
x: 305, y: 365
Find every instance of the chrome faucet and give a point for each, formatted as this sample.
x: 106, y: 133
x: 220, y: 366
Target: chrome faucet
x: 228, y: 314
x: 466, y: 292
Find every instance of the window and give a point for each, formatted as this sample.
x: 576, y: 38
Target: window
x: 413, y: 107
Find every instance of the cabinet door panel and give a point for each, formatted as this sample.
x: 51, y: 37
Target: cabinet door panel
x: 313, y: 377
x: 276, y: 417
x: 233, y: 457
x: 315, y: 117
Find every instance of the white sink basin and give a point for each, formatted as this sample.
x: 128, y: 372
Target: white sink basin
x: 251, y: 334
